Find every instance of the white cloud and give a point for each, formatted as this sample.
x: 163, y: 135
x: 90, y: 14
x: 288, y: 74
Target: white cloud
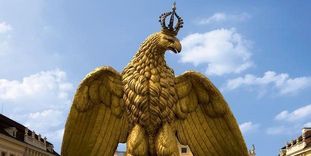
x: 308, y: 124
x: 277, y: 130
x: 40, y: 84
x: 301, y: 113
x: 223, y: 17
x: 281, y: 82
x: 223, y: 51
x: 37, y: 120
x: 291, y: 123
x: 39, y: 101
x: 4, y: 37
x: 4, y: 27
x: 289, y: 129
x: 248, y: 127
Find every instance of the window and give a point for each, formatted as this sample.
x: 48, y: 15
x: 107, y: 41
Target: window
x: 183, y: 150
x: 12, y: 154
x: 3, y: 153
x: 12, y: 131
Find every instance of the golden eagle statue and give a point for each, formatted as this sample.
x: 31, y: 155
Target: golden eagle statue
x: 150, y: 109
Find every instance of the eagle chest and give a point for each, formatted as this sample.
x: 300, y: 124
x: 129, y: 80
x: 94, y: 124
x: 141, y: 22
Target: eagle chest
x: 149, y: 95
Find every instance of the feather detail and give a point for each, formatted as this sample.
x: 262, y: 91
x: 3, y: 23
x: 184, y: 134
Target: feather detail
x: 205, y: 121
x: 96, y: 122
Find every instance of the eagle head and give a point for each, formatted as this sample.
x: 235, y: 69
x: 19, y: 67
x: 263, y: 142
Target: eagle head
x: 168, y: 41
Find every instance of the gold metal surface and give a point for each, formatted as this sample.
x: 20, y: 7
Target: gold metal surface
x: 150, y: 109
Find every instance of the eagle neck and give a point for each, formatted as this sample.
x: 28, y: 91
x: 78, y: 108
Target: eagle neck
x: 150, y: 55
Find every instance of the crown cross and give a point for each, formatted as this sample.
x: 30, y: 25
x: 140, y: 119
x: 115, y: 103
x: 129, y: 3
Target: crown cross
x: 170, y: 29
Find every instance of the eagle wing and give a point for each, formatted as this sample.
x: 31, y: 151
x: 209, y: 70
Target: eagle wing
x: 206, y: 122
x: 96, y: 122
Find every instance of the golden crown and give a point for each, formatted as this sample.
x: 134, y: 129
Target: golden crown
x: 170, y: 29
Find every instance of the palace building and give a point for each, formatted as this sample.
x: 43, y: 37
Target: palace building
x: 18, y: 140
x: 185, y: 151
x: 300, y: 146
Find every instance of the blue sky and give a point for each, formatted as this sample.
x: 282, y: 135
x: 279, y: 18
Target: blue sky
x: 256, y: 52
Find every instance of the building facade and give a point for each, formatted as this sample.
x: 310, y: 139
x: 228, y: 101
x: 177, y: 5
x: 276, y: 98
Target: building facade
x: 18, y: 140
x: 300, y: 146
x: 185, y: 151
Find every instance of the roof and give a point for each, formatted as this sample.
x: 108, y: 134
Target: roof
x: 6, y: 122
x: 306, y: 137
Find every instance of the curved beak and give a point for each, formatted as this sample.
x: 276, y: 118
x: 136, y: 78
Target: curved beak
x: 176, y: 47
